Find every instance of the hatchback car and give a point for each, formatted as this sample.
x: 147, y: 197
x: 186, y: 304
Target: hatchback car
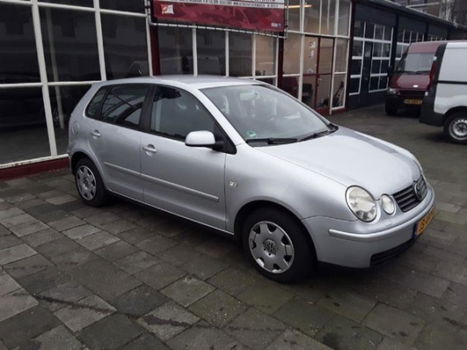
x: 246, y: 158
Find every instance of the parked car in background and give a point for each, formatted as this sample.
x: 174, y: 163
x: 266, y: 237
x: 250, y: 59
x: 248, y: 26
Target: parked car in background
x: 411, y: 77
x: 445, y: 102
x: 246, y: 158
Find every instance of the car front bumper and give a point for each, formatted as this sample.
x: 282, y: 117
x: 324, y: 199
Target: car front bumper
x: 360, y: 245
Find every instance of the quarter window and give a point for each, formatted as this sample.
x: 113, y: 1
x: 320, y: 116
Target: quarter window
x: 175, y: 113
x: 123, y: 105
x: 94, y: 108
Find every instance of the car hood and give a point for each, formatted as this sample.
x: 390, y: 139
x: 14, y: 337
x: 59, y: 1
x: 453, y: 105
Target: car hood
x: 417, y: 82
x: 352, y: 158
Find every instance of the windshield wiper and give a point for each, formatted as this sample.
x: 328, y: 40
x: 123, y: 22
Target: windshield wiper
x: 332, y: 128
x: 272, y: 140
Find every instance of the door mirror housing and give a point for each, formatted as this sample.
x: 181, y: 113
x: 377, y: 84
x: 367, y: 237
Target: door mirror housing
x: 201, y: 138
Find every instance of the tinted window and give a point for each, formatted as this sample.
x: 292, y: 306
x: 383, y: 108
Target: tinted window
x: 123, y: 105
x: 176, y: 113
x: 93, y: 110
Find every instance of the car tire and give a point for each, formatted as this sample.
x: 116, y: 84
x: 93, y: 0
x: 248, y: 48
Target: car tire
x: 455, y: 127
x: 390, y: 109
x: 89, y: 183
x: 275, y: 242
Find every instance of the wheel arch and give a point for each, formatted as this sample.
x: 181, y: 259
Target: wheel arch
x: 454, y: 110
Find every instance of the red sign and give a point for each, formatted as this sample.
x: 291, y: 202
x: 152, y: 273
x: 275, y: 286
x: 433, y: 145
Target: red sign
x: 258, y: 15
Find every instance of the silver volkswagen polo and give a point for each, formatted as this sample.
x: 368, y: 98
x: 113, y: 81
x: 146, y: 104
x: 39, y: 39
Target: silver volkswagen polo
x: 246, y: 158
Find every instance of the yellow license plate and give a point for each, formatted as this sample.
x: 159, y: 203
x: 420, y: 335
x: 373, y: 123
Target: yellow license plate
x: 423, y: 223
x: 410, y: 101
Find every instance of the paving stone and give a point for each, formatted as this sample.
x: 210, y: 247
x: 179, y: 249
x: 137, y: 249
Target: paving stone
x: 216, y: 247
x: 54, y: 216
x: 160, y: 275
x: 139, y: 301
x: 10, y: 212
x: 342, y: 333
x: 27, y: 266
x: 28, y: 228
x: 62, y: 295
x: 41, y: 237
x: 255, y: 329
x: 29, y: 203
x: 294, y: 340
x: 102, y: 218
x: 116, y: 250
x: 9, y: 241
x: 79, y: 232
x: 136, y: 235
x: 58, y: 338
x: 392, y: 344
x: 98, y: 240
x: 204, y: 267
x: 61, y: 199
x: 347, y: 304
x: 66, y: 223
x: 456, y: 272
x: 455, y: 294
x: 233, y: 281
x: 204, y: 338
x: 15, y: 253
x: 394, y: 323
x: 265, y: 296
x: 437, y: 336
x: 156, y: 244
x: 306, y: 317
x: 145, y: 342
x: 110, y: 333
x: 26, y: 325
x: 187, y: 290
x: 43, y: 280
x: 104, y: 279
x: 17, y: 220
x: 73, y: 258
x: 7, y: 284
x: 57, y: 247
x: 179, y: 255
x: 136, y: 262
x: 14, y: 303
x: 84, y: 312
x: 168, y: 320
x: 118, y: 226
x: 4, y: 231
x: 218, y: 308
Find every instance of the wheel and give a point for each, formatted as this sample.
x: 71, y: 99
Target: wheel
x: 89, y: 183
x: 455, y: 127
x: 390, y: 109
x: 276, y: 244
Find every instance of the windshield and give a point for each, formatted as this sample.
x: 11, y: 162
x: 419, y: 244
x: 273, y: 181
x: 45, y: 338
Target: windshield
x: 415, y: 63
x: 259, y: 112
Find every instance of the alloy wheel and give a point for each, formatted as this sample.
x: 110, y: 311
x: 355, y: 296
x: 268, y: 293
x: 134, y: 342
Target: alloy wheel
x: 86, y: 182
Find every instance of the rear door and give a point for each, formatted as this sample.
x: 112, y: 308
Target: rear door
x: 116, y: 138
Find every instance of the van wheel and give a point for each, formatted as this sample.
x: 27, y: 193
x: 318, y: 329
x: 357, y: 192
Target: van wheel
x: 390, y: 109
x: 275, y: 243
x: 455, y: 127
x: 89, y: 183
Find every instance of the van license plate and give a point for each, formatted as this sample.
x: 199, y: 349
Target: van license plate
x: 423, y: 223
x: 412, y: 101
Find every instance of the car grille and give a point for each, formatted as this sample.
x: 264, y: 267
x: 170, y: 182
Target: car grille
x: 382, y: 257
x: 411, y: 196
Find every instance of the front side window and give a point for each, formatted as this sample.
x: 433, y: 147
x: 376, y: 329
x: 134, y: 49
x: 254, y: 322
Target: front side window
x: 415, y: 63
x: 260, y: 112
x: 175, y: 113
x: 123, y: 105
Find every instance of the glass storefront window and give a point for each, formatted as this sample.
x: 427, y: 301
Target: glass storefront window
x: 328, y: 11
x: 290, y: 85
x: 23, y: 131
x: 175, y: 50
x: 70, y: 45
x: 125, y: 49
x: 18, y: 57
x: 325, y: 55
x: 309, y: 90
x: 211, y: 52
x: 293, y: 15
x: 341, y: 55
x: 311, y: 8
x: 324, y: 88
x: 339, y: 90
x: 122, y: 5
x: 358, y: 29
x: 344, y: 17
x: 310, y: 55
x: 86, y: 3
x: 63, y: 101
x: 265, y: 55
x: 292, y: 54
x: 240, y: 53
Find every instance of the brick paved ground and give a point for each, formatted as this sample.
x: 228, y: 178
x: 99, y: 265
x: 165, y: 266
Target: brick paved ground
x: 126, y: 277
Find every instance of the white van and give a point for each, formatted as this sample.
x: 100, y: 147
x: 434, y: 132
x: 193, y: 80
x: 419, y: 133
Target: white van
x: 445, y: 102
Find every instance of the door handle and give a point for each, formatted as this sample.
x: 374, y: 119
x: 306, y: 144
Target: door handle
x: 150, y: 149
x: 96, y: 133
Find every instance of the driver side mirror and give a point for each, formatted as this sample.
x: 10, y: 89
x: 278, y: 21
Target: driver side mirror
x: 203, y: 138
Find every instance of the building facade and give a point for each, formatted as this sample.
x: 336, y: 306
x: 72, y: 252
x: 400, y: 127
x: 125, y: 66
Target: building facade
x: 332, y: 55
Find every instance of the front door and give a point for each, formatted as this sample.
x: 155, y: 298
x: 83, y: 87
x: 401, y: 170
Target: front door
x: 186, y: 181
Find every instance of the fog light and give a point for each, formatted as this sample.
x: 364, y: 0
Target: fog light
x: 388, y: 204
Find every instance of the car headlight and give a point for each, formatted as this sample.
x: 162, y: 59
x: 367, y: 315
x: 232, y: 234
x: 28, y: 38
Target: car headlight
x: 388, y: 204
x: 392, y: 91
x: 361, y: 203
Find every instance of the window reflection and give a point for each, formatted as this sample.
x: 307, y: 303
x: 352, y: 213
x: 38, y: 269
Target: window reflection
x: 175, y: 50
x: 211, y: 52
x: 265, y: 55
x: 240, y: 46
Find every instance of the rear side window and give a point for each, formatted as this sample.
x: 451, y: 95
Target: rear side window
x: 123, y: 105
x: 94, y: 108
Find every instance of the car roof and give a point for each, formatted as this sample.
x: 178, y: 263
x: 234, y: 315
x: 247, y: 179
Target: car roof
x: 197, y: 82
x: 425, y: 46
